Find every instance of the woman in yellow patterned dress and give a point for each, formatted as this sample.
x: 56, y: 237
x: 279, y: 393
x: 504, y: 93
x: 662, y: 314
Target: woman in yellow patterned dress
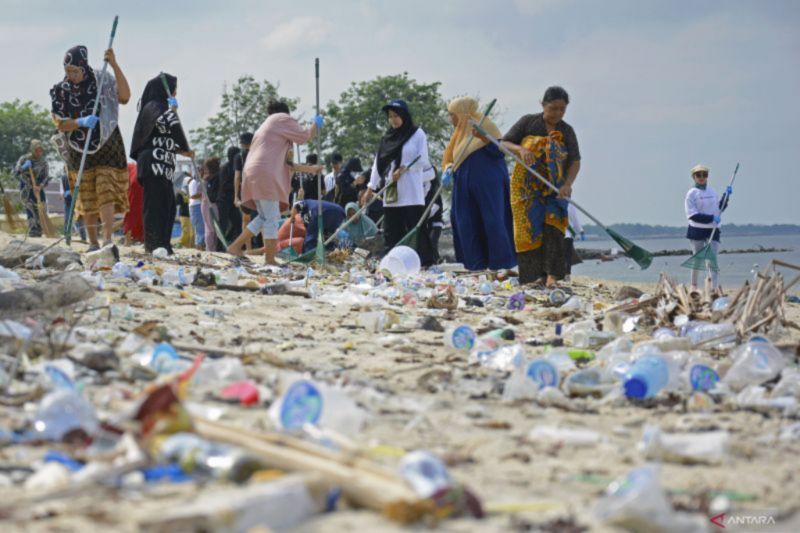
x: 548, y: 144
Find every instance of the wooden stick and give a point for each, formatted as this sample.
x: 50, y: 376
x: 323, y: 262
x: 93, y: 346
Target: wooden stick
x: 360, y: 485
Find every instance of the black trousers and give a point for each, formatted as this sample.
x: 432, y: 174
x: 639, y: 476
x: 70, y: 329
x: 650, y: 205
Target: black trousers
x: 159, y: 213
x: 398, y: 222
x: 230, y: 218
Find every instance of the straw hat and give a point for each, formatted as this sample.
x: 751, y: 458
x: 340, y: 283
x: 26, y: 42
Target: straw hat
x: 698, y: 168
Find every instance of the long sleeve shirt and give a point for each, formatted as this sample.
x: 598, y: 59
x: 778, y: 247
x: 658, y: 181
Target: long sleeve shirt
x: 410, y: 186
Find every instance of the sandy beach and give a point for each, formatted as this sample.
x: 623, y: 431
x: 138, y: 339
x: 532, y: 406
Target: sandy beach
x: 416, y: 394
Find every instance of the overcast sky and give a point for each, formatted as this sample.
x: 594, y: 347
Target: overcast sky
x: 656, y: 86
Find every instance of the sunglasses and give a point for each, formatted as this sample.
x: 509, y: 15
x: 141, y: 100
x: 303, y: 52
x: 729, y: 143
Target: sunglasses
x: 701, y: 174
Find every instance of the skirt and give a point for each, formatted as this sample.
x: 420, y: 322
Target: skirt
x: 105, y: 177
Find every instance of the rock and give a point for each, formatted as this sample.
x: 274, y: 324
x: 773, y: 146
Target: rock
x: 17, y: 252
x: 627, y: 292
x: 54, y: 293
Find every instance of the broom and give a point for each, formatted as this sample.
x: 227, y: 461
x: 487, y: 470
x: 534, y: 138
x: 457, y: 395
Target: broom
x: 8, y: 207
x: 320, y: 252
x: 410, y: 239
x: 705, y: 257
x: 68, y: 232
x: 44, y: 220
x: 642, y: 257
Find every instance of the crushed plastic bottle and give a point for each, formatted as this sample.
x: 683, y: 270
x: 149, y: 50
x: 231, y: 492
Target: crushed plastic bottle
x: 177, y: 277
x: 754, y: 363
x: 505, y: 358
x: 710, y: 335
x: 198, y: 456
x: 219, y: 371
x: 160, y: 253
x: 592, y: 339
x: 710, y: 447
x: 425, y: 472
x: 61, y: 412
x: 165, y: 360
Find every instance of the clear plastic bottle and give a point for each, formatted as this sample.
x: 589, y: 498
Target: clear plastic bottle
x: 63, y: 411
x: 646, y: 377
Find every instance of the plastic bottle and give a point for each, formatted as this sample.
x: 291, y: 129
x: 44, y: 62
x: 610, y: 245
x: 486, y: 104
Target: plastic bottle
x: 710, y: 334
x: 160, y: 253
x: 754, y: 363
x: 461, y: 337
x: 646, y: 377
x: 505, y: 358
x: 121, y: 270
x: 177, y: 277
x: 164, y: 360
x: 592, y: 339
x: 219, y: 371
x: 199, y: 456
x: 63, y: 411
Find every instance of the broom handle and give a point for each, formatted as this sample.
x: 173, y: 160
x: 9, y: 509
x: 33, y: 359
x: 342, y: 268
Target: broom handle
x: 534, y: 173
x: 89, y: 136
x: 375, y: 196
x: 33, y: 184
x: 460, y: 155
x: 319, y: 152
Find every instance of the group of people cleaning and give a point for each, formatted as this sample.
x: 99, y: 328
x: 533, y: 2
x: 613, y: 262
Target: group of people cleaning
x: 499, y: 220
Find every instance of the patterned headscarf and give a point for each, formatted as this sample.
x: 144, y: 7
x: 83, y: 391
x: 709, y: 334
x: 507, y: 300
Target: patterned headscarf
x: 75, y: 100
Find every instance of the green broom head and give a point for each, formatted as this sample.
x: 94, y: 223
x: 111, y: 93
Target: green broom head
x: 287, y: 254
x: 642, y: 257
x: 703, y: 260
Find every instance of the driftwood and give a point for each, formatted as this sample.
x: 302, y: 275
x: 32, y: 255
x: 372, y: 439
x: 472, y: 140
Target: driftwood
x: 752, y: 309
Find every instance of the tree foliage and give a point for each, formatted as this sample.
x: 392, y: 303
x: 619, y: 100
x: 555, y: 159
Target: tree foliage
x: 355, y: 123
x: 243, y: 109
x: 19, y: 123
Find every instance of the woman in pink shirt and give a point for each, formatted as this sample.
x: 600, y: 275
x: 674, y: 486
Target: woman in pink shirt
x: 268, y: 175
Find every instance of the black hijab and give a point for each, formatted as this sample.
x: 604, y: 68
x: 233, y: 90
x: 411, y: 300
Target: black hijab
x: 391, y: 147
x: 152, y: 105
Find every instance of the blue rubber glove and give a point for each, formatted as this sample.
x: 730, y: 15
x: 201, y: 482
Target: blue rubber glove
x: 173, y: 102
x: 447, y: 177
x: 583, y: 236
x: 26, y: 165
x: 343, y: 235
x: 729, y: 190
x: 717, y: 219
x: 88, y: 122
x: 319, y: 121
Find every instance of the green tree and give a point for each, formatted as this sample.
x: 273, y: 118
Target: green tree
x: 243, y: 109
x: 355, y: 123
x: 19, y: 123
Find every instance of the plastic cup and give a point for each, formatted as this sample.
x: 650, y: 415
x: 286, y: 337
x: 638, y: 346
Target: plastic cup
x: 401, y: 261
x: 460, y: 337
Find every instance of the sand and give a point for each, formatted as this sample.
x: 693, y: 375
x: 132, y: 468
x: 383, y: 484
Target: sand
x: 420, y: 394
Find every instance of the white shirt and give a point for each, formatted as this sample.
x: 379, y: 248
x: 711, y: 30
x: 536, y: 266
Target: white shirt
x: 410, y: 186
x: 194, y: 189
x: 330, y: 182
x: 702, y: 202
x: 574, y: 222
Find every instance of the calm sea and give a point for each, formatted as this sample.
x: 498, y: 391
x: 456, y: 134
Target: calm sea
x: 734, y: 268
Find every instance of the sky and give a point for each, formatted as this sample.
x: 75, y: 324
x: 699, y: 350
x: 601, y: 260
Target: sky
x: 655, y: 87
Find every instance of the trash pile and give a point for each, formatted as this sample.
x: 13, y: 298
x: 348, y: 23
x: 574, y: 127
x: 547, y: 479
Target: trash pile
x: 203, y: 392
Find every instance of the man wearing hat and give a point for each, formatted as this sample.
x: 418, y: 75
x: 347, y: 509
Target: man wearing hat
x: 33, y: 163
x: 704, y: 210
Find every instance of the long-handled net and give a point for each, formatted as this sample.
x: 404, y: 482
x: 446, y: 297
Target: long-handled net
x: 642, y: 257
x: 705, y: 258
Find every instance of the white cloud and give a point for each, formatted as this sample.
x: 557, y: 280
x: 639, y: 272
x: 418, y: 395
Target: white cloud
x: 299, y: 33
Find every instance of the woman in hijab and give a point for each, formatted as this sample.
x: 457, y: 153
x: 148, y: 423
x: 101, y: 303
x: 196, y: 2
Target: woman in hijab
x: 157, y: 137
x: 548, y: 144
x: 401, y: 145
x: 359, y: 228
x: 34, y: 163
x: 349, y: 182
x: 483, y: 234
x: 209, y: 182
x: 268, y: 175
x: 230, y: 218
x: 104, y: 185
